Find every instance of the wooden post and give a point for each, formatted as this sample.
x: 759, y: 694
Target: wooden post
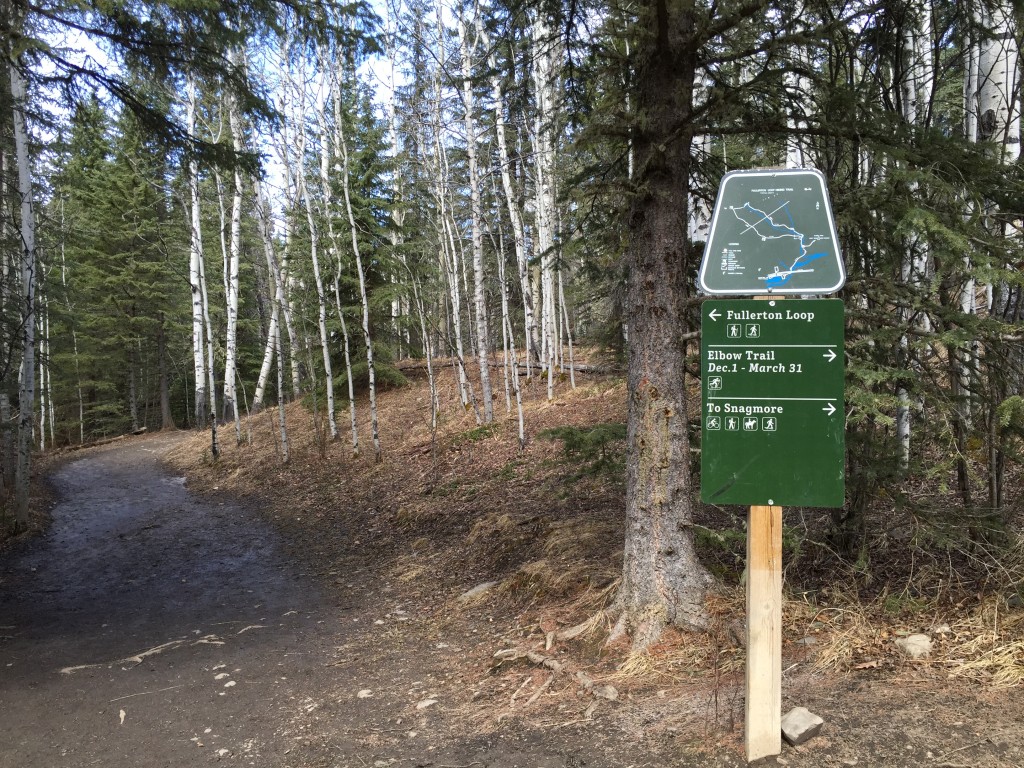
x: 763, y: 736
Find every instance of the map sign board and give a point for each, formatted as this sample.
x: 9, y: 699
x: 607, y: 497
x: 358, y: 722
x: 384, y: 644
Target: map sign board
x: 772, y: 232
x: 772, y: 407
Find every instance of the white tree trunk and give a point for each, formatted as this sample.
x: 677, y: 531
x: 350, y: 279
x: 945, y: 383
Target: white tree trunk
x: 354, y: 230
x: 998, y: 87
x: 545, y: 81
x: 273, y: 332
x: 44, y: 351
x: 202, y: 411
x: 281, y: 420
x: 348, y: 361
x: 231, y: 278
x: 26, y: 392
x: 915, y: 93
x: 468, y: 51
x: 514, y: 214
x: 302, y: 189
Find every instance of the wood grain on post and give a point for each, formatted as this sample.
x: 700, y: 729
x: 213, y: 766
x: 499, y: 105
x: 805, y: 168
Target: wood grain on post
x: 763, y: 736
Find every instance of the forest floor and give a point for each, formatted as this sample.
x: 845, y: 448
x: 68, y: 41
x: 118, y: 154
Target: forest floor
x: 333, y: 591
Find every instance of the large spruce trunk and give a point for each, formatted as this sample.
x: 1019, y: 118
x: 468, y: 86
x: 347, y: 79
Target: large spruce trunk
x: 663, y: 581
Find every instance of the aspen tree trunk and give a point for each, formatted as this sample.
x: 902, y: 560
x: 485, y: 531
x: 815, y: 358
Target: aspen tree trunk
x: 41, y: 335
x: 321, y: 301
x: 476, y: 214
x: 421, y: 311
x: 7, y: 460
x: 345, y: 180
x: 202, y: 409
x: 285, y: 148
x: 26, y: 393
x: 348, y: 361
x: 505, y: 363
x: 509, y: 348
x: 916, y: 91
x: 230, y: 405
x: 568, y: 330
x: 796, y: 143
x: 314, y: 252
x: 336, y: 146
x: 210, y: 370
x: 400, y: 303
x: 281, y: 420
x: 449, y: 251
x: 267, y: 238
x: 997, y: 123
x: 544, y: 76
x: 514, y: 213
x: 325, y: 183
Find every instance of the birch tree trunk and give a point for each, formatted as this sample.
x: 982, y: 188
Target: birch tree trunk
x: 346, y: 348
x: 915, y: 91
x: 545, y: 77
x: 997, y: 100
x: 43, y: 337
x: 281, y: 420
x: 476, y: 214
x: 26, y: 393
x: 202, y: 410
x: 302, y: 189
x: 271, y: 347
x: 364, y: 300
x: 449, y: 253
x: 232, y: 287
x: 515, y: 216
x: 334, y: 145
x: 285, y: 148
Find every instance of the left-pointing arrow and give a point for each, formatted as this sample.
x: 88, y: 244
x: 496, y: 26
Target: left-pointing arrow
x: 713, y: 314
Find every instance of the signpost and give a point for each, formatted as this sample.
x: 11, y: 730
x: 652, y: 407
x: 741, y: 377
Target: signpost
x: 772, y: 374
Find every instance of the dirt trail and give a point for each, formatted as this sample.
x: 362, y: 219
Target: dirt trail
x: 143, y: 599
x: 184, y: 614
x: 154, y: 627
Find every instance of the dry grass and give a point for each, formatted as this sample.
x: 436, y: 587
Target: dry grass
x: 447, y: 510
x: 990, y: 642
x: 985, y: 645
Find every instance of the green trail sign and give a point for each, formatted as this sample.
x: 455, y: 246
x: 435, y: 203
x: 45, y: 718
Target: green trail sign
x: 772, y: 408
x: 772, y: 232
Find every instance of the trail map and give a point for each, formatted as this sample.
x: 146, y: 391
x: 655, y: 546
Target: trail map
x: 772, y: 232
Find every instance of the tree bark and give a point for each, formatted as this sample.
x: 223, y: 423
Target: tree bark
x: 202, y: 410
x: 26, y: 394
x: 662, y: 582
x: 476, y: 214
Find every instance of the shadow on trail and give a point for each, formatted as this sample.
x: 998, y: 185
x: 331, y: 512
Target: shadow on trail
x: 178, y: 612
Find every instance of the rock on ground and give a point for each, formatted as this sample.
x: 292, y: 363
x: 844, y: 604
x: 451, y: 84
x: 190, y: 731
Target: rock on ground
x: 799, y: 725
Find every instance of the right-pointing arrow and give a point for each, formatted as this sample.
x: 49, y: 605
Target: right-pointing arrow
x: 830, y: 356
x: 829, y: 409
